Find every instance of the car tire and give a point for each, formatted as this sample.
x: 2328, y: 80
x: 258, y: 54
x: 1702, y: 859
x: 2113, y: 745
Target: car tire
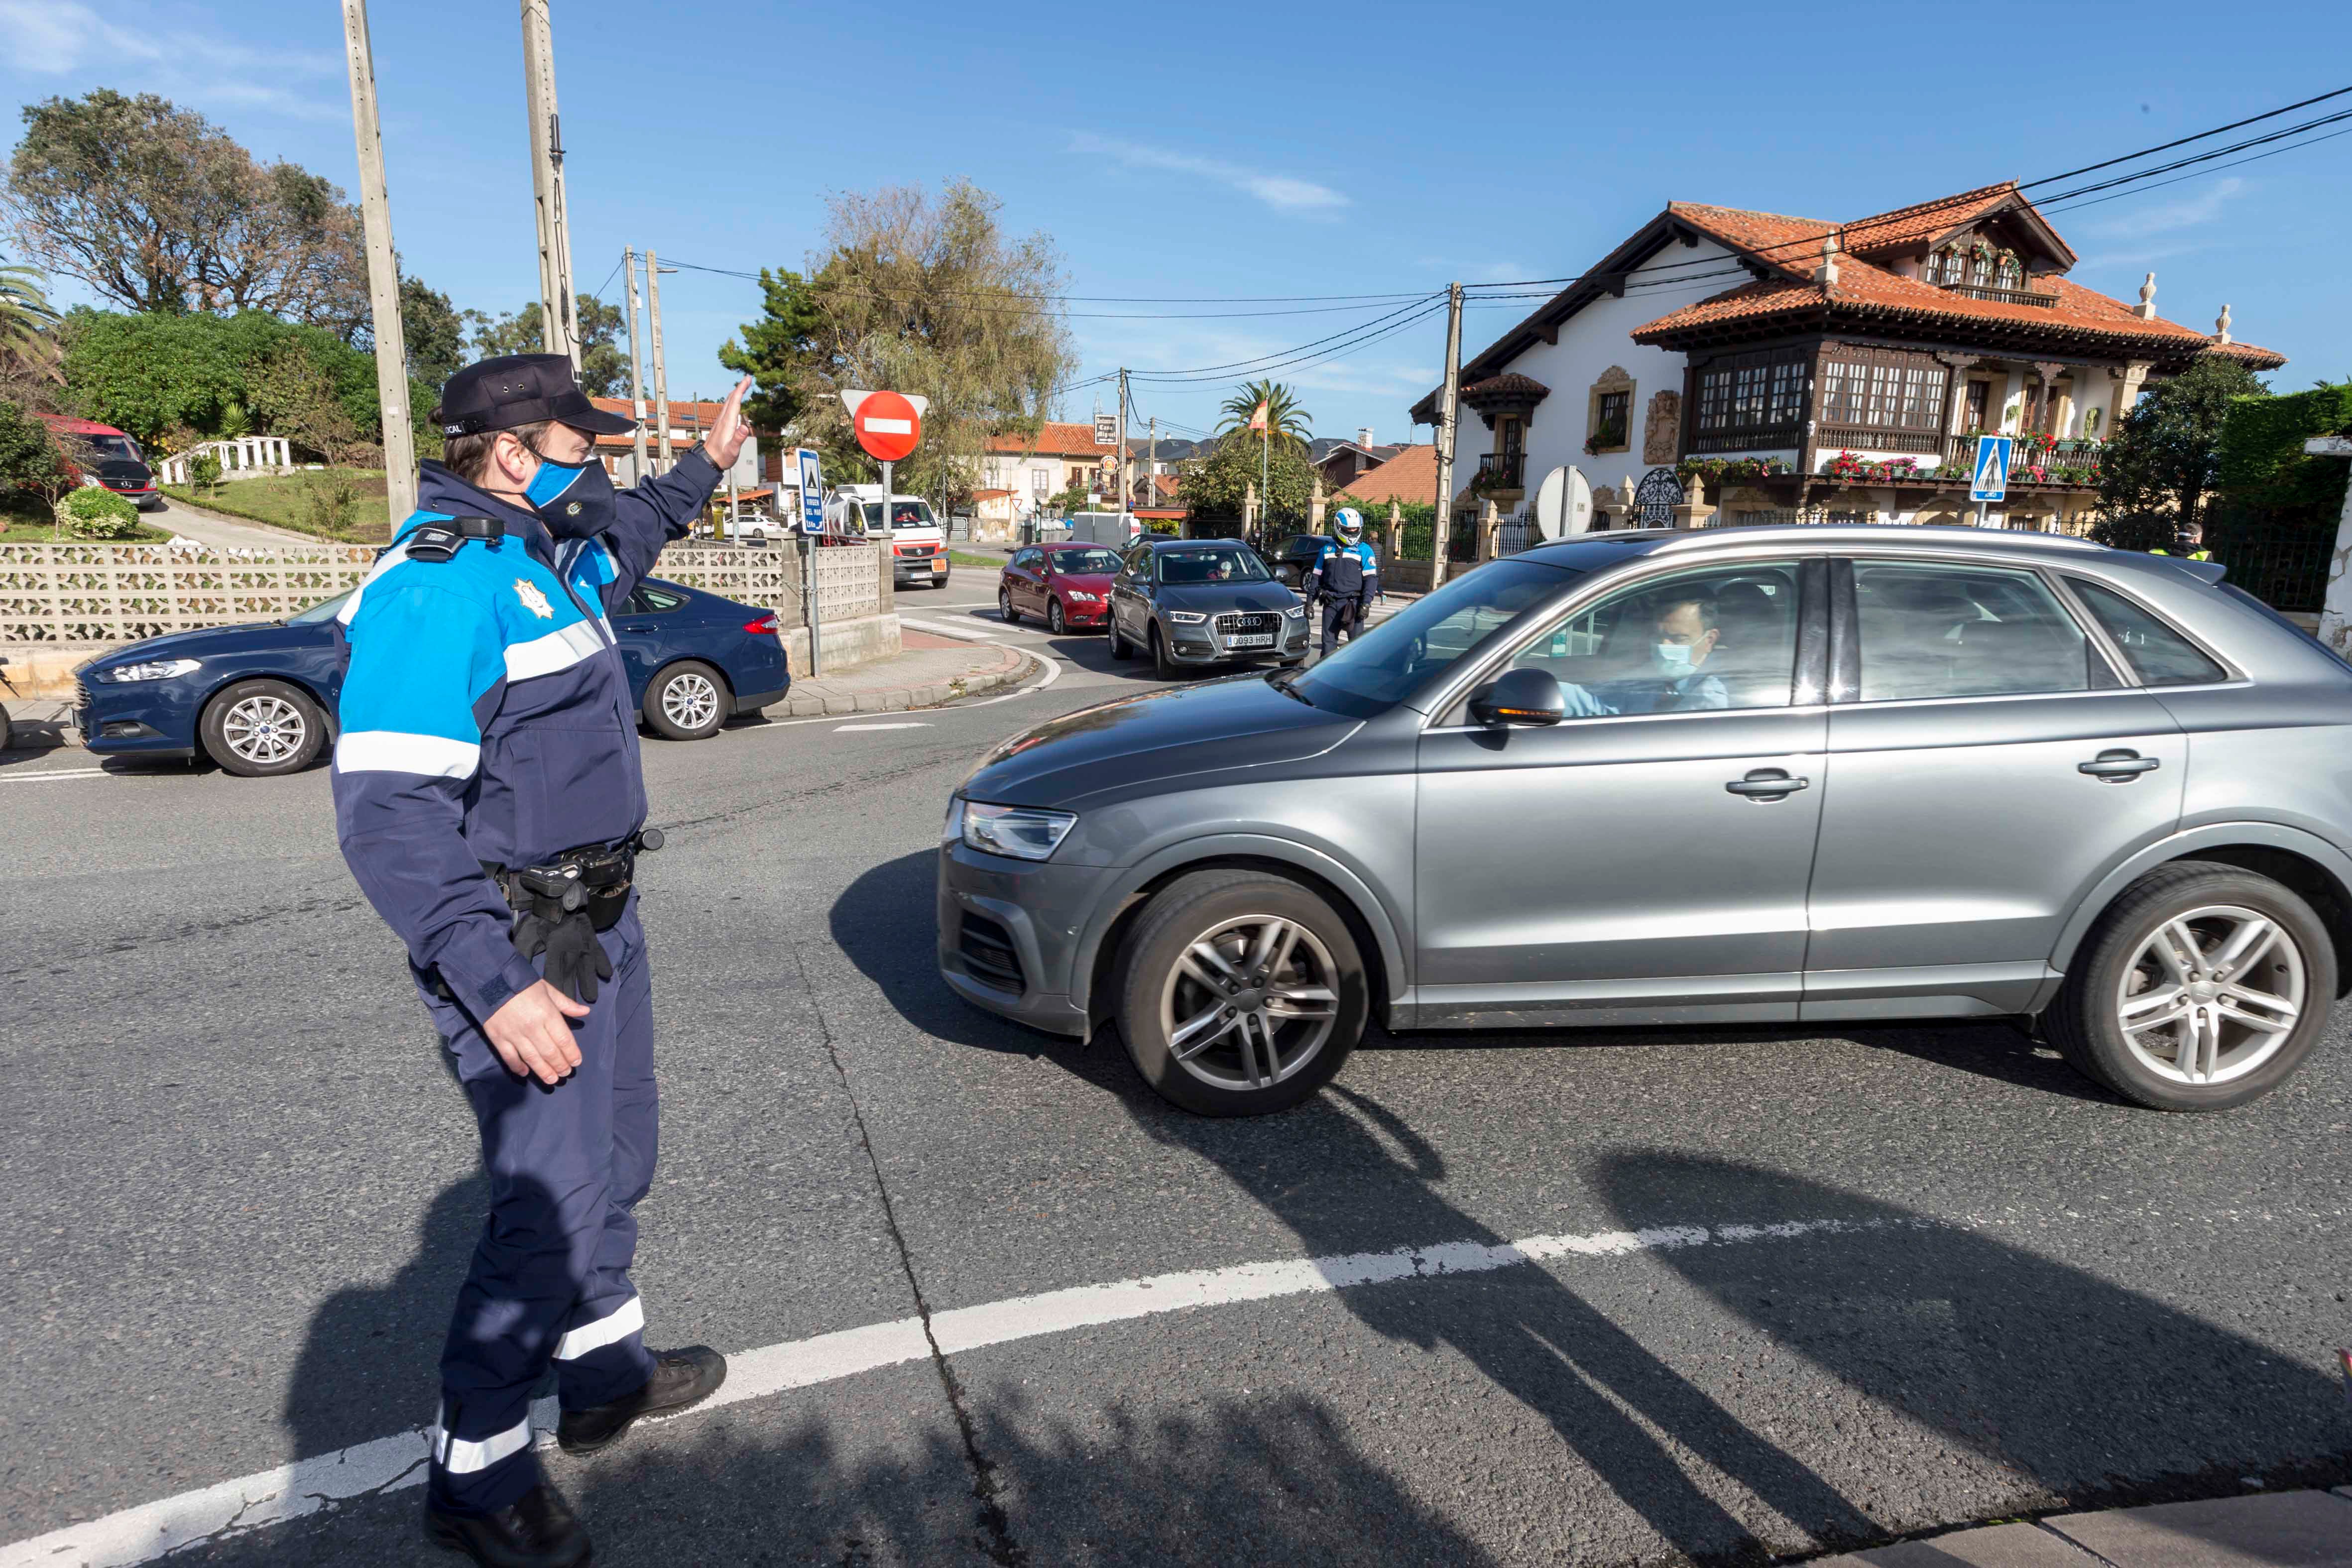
x: 260, y: 729
x: 1120, y: 648
x: 2238, y: 1031
x: 1012, y: 617
x: 687, y: 701
x: 1230, y: 912
x: 1162, y: 666
x: 1055, y: 622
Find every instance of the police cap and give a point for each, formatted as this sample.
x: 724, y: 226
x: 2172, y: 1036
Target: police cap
x: 520, y: 389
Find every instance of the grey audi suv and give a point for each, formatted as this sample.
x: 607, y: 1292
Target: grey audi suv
x: 1191, y: 601
x: 1758, y: 775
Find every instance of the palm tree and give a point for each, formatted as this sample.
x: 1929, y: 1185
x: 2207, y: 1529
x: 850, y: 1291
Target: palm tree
x: 1284, y: 420
x: 26, y: 317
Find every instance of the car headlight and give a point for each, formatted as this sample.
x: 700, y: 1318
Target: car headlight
x: 1023, y: 832
x: 1187, y: 617
x: 1078, y: 598
x: 1297, y: 612
x: 953, y: 828
x: 154, y: 669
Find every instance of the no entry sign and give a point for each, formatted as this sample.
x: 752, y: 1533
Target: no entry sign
x: 888, y: 424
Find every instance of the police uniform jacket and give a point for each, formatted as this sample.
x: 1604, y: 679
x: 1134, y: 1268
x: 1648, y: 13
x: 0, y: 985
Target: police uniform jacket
x: 1346, y: 571
x: 485, y: 716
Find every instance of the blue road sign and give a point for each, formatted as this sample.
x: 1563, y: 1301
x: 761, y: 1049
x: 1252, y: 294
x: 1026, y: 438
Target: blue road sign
x: 1991, y: 482
x: 811, y: 491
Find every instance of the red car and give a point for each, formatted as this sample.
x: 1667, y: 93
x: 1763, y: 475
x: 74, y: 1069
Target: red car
x: 114, y: 459
x: 1067, y: 586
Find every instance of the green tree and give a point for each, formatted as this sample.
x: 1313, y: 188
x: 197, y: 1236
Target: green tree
x: 604, y: 363
x: 434, y: 330
x: 1215, y: 488
x: 780, y: 351
x: 29, y: 459
x: 1285, y: 419
x: 2157, y: 471
x: 26, y: 317
x: 158, y: 209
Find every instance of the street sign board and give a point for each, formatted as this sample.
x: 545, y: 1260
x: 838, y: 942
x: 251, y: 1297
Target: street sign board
x: 1991, y: 482
x: 888, y: 424
x: 1106, y: 429
x: 811, y: 491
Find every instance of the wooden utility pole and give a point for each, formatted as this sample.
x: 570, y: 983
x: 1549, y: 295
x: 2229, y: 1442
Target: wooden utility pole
x: 636, y: 363
x: 384, y: 273
x: 1448, y: 405
x: 559, y: 332
x: 661, y: 362
x: 1125, y: 491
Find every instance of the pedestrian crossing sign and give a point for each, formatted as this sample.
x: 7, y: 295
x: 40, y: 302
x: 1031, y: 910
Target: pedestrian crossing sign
x: 1991, y: 482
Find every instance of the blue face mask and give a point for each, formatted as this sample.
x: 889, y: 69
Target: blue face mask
x: 575, y: 500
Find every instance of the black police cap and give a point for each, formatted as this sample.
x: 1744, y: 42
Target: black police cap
x: 520, y: 389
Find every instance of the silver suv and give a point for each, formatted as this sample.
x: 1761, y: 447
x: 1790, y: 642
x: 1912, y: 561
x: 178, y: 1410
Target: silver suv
x: 1813, y: 775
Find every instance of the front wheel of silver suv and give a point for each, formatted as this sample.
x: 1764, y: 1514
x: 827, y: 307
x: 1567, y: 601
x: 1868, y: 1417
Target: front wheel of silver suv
x: 1244, y: 994
x: 2203, y: 986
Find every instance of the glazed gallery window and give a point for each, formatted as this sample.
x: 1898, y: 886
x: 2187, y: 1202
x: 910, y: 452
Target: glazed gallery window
x: 1883, y: 392
x: 1752, y: 393
x: 1611, y: 415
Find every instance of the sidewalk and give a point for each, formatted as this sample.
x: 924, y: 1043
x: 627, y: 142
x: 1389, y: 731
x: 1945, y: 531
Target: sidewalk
x: 2262, y: 1530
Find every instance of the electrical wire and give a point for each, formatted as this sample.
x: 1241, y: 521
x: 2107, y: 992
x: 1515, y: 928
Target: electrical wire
x: 2251, y: 158
x: 599, y: 287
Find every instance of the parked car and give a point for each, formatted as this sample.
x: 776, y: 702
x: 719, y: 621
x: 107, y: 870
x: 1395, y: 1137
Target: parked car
x: 259, y: 699
x: 1194, y: 602
x: 1064, y: 586
x: 1297, y: 558
x: 1820, y: 775
x: 116, y: 461
x: 919, y: 545
x: 752, y: 528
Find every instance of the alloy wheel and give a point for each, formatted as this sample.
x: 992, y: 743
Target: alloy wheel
x: 1252, y: 1001
x: 2211, y: 994
x: 690, y: 701
x: 264, y: 729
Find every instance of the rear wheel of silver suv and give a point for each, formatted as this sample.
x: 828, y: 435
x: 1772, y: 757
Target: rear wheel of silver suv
x: 2204, y: 986
x: 1244, y: 994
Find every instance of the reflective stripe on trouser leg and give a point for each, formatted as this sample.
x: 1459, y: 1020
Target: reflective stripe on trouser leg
x: 540, y: 1271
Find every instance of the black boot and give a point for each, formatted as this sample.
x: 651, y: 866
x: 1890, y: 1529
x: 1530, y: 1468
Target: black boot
x: 681, y: 1379
x: 538, y: 1531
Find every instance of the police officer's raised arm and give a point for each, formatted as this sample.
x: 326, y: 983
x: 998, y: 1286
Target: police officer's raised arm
x: 661, y: 508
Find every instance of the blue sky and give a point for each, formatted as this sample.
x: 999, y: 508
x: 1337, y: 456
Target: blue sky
x: 1227, y: 151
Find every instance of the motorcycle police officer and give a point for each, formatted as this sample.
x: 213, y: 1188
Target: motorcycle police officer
x: 489, y: 801
x: 1345, y: 578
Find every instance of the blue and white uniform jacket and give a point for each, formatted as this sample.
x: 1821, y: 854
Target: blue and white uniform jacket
x: 1345, y: 572
x: 485, y: 716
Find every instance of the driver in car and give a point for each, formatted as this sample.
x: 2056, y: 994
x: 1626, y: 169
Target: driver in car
x: 1676, y: 680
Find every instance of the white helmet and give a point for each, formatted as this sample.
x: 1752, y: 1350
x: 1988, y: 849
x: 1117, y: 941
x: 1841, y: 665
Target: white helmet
x: 1348, y: 523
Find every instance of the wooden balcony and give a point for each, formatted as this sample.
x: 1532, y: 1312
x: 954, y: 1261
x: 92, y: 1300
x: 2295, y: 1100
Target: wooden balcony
x: 1502, y: 470
x: 1833, y: 439
x: 2033, y: 297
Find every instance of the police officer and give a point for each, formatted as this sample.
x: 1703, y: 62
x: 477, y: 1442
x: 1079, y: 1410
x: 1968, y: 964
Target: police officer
x: 1345, y: 578
x: 489, y: 801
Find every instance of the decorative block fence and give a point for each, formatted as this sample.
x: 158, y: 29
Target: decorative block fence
x: 119, y: 593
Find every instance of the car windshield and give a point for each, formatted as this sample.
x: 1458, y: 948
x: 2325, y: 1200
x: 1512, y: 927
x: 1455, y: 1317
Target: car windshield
x: 113, y: 448
x: 903, y: 514
x: 1231, y: 564
x: 324, y: 610
x: 1077, y: 561
x: 1375, y: 671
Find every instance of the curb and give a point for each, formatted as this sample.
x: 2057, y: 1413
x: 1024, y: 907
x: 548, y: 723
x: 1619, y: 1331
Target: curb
x: 898, y: 698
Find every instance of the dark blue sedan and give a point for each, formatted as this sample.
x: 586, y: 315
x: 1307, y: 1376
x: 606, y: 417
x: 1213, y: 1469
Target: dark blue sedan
x: 260, y: 699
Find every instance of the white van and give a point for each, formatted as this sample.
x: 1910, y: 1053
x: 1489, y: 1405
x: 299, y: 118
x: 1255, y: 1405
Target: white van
x: 919, y: 545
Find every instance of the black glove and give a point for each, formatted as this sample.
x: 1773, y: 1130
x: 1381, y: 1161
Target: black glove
x: 575, y: 959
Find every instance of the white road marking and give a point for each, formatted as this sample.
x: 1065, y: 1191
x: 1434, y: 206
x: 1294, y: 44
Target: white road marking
x: 1052, y: 674
x: 389, y: 1463
x: 950, y: 629
x: 55, y: 773
x: 851, y: 729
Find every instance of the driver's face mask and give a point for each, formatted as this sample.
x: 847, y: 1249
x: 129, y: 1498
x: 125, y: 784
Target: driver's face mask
x: 575, y: 500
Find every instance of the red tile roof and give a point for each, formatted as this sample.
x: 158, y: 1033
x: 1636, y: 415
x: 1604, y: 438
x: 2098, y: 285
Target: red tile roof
x: 1056, y: 440
x: 1410, y: 477
x: 1511, y: 381
x: 1777, y: 238
x: 1923, y: 221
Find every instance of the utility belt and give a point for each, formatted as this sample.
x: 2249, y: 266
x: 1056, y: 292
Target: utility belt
x: 593, y: 880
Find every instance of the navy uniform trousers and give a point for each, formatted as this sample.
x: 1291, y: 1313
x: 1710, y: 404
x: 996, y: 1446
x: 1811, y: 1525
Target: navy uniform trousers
x: 550, y: 1280
x: 1340, y: 615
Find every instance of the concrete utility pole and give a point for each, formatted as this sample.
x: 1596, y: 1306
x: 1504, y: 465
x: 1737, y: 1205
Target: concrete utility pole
x: 1151, y: 465
x: 1448, y: 405
x: 1126, y: 489
x: 636, y: 364
x: 559, y: 334
x: 661, y: 362
x: 384, y: 273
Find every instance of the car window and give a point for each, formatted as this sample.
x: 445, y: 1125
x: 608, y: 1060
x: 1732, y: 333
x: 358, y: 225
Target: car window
x: 1930, y: 629
x: 1084, y: 560
x: 1372, y: 672
x: 2160, y: 656
x: 1231, y: 564
x: 646, y: 601
x: 1024, y: 559
x: 324, y: 610
x: 1139, y: 561
x: 1721, y: 637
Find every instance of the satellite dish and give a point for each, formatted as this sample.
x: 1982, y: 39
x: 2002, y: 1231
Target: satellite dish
x: 1564, y: 503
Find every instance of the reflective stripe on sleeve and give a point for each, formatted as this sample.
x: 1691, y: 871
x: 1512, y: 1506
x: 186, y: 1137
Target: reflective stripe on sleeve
x: 460, y: 1456
x: 628, y: 1318
x: 393, y: 752
x: 556, y: 650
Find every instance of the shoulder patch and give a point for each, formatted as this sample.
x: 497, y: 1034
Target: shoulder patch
x: 433, y: 541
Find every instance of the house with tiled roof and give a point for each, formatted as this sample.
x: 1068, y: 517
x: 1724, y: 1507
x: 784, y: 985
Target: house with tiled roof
x: 689, y: 422
x: 1823, y: 369
x: 1036, y: 467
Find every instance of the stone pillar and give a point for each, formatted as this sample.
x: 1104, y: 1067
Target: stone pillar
x: 1315, y: 505
x: 2336, y: 615
x: 1693, y: 512
x: 1396, y: 531
x: 1490, y: 523
x: 1249, y: 511
x: 2128, y: 381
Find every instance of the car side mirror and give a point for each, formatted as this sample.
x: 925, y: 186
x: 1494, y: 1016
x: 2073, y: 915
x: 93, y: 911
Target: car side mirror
x: 1521, y: 696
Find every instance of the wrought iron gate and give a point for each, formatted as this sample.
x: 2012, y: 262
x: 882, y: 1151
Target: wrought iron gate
x: 1655, y: 497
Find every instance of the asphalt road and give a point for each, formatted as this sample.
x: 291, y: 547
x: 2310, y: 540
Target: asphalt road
x: 1793, y: 1291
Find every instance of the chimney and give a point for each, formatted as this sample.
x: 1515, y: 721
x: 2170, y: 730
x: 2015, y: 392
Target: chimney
x: 2145, y: 309
x: 1364, y: 437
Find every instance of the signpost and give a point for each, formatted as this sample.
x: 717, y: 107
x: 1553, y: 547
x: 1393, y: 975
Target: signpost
x: 812, y: 474
x: 1991, y: 481
x: 888, y: 425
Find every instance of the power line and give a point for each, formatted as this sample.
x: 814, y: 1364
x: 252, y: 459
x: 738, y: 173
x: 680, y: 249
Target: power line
x: 2250, y: 158
x: 2185, y: 141
x: 1245, y: 363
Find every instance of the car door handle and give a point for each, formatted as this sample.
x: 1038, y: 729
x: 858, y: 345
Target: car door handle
x: 1768, y: 784
x: 639, y: 627
x: 2119, y: 767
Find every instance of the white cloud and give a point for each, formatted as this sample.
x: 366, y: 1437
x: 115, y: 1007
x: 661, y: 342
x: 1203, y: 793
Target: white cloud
x: 2187, y: 213
x: 1281, y: 192
x: 56, y: 38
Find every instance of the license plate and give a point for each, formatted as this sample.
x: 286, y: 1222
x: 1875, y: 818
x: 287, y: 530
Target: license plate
x: 1253, y: 639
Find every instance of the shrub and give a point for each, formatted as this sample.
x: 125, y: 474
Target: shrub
x: 94, y: 513
x: 204, y: 472
x: 327, y: 502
